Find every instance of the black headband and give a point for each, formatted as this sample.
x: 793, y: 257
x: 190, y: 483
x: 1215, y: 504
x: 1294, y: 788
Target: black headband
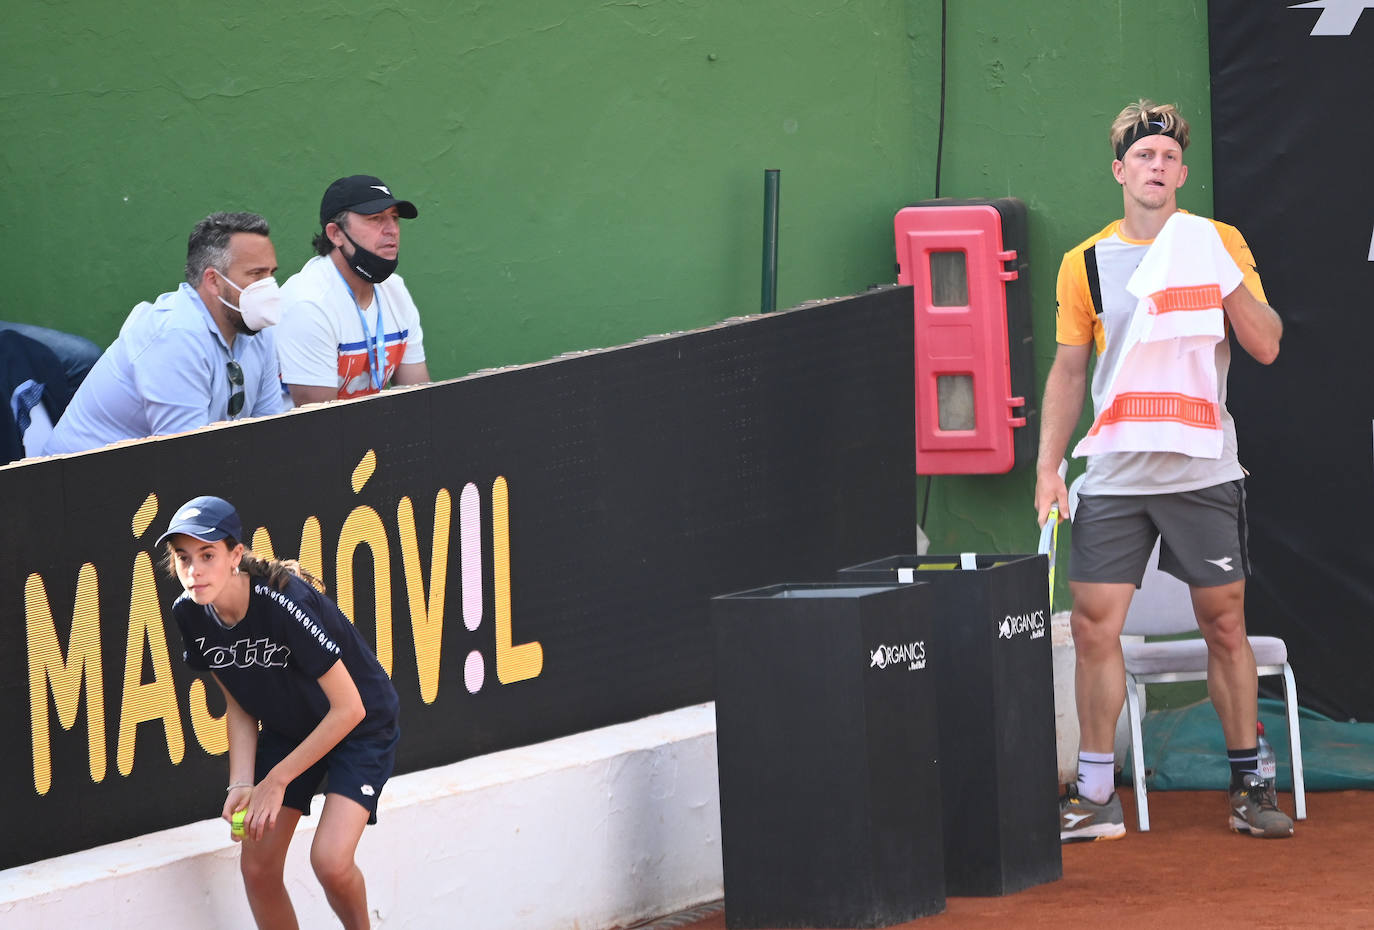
x: 1140, y: 131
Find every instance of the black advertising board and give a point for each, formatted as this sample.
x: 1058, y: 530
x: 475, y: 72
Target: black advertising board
x: 532, y: 551
x: 1292, y: 133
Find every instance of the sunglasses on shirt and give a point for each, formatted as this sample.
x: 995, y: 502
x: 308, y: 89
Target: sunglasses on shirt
x: 236, y: 382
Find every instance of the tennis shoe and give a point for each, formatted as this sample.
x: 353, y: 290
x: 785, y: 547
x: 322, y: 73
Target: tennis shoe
x: 1255, y: 810
x: 1082, y: 820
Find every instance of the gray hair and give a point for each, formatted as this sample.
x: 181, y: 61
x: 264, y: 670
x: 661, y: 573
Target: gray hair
x: 208, y: 245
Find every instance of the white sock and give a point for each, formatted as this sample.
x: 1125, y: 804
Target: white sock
x: 1096, y: 776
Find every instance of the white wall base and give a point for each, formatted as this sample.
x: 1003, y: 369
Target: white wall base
x: 596, y: 830
x: 1065, y: 705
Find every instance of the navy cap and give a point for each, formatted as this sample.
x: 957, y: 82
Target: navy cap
x: 361, y: 193
x: 208, y: 519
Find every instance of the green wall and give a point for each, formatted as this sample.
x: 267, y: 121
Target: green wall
x: 587, y: 172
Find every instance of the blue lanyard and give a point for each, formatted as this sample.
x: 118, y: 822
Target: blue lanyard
x: 374, y: 342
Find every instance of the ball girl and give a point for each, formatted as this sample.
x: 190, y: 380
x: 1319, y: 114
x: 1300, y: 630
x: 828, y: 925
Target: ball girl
x: 286, y: 658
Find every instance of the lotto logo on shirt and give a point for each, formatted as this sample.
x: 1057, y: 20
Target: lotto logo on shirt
x: 355, y: 368
x: 246, y: 653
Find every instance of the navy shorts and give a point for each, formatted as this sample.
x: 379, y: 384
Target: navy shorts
x: 1202, y: 536
x: 358, y: 768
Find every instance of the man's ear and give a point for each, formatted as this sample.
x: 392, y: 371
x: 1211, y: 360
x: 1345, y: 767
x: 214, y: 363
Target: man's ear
x: 334, y: 234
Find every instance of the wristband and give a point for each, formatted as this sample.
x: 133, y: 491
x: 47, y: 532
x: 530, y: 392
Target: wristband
x: 239, y: 784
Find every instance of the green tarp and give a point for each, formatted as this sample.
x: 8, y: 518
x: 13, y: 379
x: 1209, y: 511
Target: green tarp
x: 1184, y: 749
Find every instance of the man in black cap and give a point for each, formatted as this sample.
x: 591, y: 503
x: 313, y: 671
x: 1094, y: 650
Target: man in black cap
x: 349, y: 326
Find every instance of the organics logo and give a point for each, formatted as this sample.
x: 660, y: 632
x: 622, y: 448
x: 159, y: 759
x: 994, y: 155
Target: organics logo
x: 1017, y: 624
x: 912, y: 655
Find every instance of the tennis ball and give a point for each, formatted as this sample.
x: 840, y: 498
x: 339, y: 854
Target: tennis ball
x: 236, y: 822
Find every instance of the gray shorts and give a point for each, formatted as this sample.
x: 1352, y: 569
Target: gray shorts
x: 1202, y: 536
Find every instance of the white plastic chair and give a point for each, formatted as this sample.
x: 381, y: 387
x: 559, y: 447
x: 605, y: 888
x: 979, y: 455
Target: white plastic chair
x: 1163, y: 606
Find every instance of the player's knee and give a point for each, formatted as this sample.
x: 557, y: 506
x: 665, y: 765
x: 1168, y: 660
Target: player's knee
x: 1093, y: 636
x: 259, y: 872
x: 1226, y: 635
x: 334, y: 870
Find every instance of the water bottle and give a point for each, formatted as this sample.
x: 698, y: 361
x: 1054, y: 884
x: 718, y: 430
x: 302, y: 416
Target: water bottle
x: 1268, y: 769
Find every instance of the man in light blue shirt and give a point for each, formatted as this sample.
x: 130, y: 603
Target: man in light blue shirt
x: 197, y: 355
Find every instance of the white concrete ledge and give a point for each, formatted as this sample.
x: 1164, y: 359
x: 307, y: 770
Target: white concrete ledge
x: 597, y: 830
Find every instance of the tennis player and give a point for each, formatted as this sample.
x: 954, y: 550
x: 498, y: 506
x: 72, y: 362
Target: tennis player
x: 1193, y: 504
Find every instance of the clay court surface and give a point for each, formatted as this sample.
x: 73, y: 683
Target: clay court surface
x: 1191, y: 871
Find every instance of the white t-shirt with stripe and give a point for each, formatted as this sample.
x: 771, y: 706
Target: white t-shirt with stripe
x: 321, y: 341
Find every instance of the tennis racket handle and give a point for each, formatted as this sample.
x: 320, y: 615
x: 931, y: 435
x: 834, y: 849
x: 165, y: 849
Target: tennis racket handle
x: 1047, y: 531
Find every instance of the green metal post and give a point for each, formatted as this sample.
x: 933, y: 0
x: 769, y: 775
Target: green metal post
x: 770, y: 240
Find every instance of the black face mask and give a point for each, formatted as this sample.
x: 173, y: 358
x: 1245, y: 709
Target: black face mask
x: 370, y: 266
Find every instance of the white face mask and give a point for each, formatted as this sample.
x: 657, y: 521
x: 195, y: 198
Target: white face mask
x: 259, y: 302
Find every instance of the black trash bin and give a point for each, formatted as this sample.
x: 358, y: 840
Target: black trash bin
x: 827, y: 737
x: 998, y: 760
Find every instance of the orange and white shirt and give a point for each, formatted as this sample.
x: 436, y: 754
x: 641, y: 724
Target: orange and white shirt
x: 1096, y: 306
x: 322, y: 342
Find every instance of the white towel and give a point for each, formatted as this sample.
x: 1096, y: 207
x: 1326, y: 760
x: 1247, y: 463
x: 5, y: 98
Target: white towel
x: 1162, y: 395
